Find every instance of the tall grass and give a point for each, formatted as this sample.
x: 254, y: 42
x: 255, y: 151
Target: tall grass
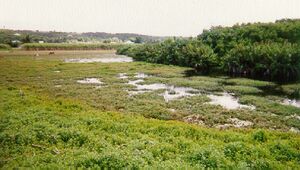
x: 66, y: 46
x: 4, y: 47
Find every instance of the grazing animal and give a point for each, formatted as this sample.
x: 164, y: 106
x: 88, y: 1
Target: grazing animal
x: 51, y: 53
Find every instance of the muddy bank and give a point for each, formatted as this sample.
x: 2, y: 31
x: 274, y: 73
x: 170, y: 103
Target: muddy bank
x: 228, y: 101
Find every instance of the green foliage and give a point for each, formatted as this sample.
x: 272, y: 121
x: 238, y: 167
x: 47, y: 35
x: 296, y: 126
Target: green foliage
x: 39, y: 74
x: 191, y: 53
x: 207, y: 158
x: 268, y: 51
x: 199, y: 56
x: 223, y: 39
x: 65, y: 46
x: 4, y: 47
x: 111, y: 161
x: 125, y: 49
x: 282, y: 152
x: 7, y: 36
x: 243, y: 89
x: 138, y: 40
x: 79, y: 126
x: 292, y: 90
x: 261, y: 50
x: 260, y: 136
x: 249, y: 82
x: 36, y: 136
x: 272, y: 61
x: 26, y: 39
x: 235, y: 150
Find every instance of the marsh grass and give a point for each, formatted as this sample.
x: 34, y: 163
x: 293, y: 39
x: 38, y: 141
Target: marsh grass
x: 83, y: 126
x: 38, y: 74
x: 42, y: 131
x: 69, y: 46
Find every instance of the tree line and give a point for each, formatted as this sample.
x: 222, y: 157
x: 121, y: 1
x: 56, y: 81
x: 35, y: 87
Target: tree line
x: 268, y: 51
x: 15, y: 38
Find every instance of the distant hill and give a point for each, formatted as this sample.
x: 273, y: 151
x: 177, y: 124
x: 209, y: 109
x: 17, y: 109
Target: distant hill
x: 15, y: 37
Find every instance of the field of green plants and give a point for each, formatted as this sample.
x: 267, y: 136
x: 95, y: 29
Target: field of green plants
x: 49, y: 119
x: 70, y: 46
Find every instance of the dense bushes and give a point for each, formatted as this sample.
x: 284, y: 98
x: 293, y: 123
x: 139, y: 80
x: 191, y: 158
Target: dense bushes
x: 223, y: 39
x: 267, y: 51
x: 262, y: 51
x: 271, y: 61
x: 182, y: 52
x: 66, y: 46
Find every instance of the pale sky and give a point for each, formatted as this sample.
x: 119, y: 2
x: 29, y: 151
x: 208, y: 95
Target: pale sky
x: 151, y: 17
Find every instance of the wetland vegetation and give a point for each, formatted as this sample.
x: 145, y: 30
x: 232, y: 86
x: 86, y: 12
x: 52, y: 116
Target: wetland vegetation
x: 265, y: 51
x: 70, y: 46
x: 67, y: 114
x: 149, y: 84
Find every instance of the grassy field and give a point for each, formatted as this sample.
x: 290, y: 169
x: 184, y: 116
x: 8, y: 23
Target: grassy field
x: 48, y: 119
x: 69, y: 46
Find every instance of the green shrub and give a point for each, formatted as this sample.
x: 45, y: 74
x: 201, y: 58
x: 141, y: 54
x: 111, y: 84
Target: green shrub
x: 4, y: 47
x: 284, y: 153
x: 231, y: 150
x: 262, y: 51
x: 106, y: 161
x: 180, y: 52
x: 223, y: 39
x: 74, y: 138
x: 272, y: 61
x: 261, y: 164
x: 260, y: 136
x: 207, y: 158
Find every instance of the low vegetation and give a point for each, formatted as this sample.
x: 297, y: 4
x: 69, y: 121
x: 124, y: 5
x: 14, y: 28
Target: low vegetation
x: 4, y: 47
x: 80, y: 114
x: 40, y: 73
x: 44, y: 132
x: 48, y: 120
x: 67, y: 46
x: 262, y: 51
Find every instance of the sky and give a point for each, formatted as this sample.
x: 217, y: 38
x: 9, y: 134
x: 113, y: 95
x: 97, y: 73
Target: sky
x: 151, y: 17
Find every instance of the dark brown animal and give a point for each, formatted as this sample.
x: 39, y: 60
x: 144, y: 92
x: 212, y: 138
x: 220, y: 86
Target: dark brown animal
x: 51, y: 53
